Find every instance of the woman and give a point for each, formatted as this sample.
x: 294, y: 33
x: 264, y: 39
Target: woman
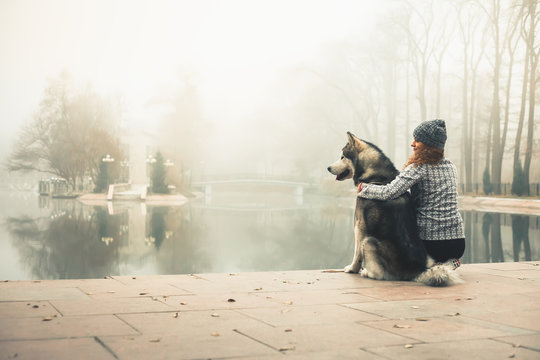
x: 433, y: 182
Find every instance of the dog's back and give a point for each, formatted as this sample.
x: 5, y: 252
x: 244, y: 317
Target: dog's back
x: 393, y: 224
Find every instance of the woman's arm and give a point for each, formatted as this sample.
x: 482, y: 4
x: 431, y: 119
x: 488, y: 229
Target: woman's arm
x: 396, y: 188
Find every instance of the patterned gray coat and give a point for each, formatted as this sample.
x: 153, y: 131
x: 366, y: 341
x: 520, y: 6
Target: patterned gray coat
x: 434, y: 191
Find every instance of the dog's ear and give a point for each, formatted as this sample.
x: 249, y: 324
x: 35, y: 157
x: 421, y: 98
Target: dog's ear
x: 354, y: 141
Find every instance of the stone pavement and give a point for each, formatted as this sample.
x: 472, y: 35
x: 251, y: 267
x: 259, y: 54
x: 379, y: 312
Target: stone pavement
x: 494, y: 314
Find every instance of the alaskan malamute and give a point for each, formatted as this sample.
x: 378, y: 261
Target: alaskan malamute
x: 386, y: 241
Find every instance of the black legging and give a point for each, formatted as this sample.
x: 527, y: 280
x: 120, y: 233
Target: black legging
x: 443, y: 250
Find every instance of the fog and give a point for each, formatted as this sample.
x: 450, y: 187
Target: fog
x: 258, y: 87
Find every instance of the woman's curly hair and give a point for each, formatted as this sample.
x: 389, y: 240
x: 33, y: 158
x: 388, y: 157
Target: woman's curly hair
x: 426, y: 155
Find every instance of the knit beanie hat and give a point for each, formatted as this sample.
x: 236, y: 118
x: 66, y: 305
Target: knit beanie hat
x: 432, y: 133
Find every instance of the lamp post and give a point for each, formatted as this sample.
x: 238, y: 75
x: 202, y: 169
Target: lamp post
x: 150, y: 160
x: 107, y: 159
x: 168, y: 164
x: 124, y: 171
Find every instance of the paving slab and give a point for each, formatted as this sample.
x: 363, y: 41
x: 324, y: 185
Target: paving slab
x: 63, y: 327
x: 19, y: 309
x: 317, y: 314
x: 109, y: 306
x: 321, y: 338
x: 481, y: 349
x: 61, y: 349
x: 175, y: 347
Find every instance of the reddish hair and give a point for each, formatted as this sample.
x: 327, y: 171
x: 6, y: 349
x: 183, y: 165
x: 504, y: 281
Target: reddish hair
x: 426, y: 155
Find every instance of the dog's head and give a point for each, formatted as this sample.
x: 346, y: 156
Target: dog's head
x: 362, y: 162
x: 344, y: 167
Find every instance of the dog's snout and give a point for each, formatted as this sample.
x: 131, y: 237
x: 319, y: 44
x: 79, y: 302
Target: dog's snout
x: 329, y: 169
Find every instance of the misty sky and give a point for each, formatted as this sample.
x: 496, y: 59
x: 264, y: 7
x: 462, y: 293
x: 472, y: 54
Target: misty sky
x: 237, y: 48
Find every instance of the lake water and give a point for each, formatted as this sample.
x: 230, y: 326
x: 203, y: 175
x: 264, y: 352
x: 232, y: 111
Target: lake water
x: 44, y: 238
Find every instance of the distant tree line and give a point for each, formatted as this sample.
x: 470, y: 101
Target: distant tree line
x: 471, y: 62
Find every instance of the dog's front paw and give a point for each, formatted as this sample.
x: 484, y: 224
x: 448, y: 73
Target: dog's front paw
x: 364, y: 273
x: 351, y: 269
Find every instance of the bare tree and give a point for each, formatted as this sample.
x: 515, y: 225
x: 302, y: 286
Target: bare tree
x: 532, y: 16
x: 181, y: 126
x: 420, y: 38
x: 468, y: 21
x: 68, y: 135
x: 501, y: 37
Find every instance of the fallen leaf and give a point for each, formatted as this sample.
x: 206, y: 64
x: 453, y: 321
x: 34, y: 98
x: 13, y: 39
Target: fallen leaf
x: 143, y: 293
x: 215, y: 315
x: 183, y: 303
x: 231, y: 300
x: 155, y: 340
x: 111, y: 291
x: 415, y: 307
x: 516, y: 345
x: 512, y: 356
x: 421, y: 319
x: 215, y: 333
x: 35, y: 306
x: 154, y: 298
x: 453, y: 314
x: 233, y: 274
x: 287, y: 348
x: 133, y: 277
x: 409, y: 346
x: 47, y: 318
x: 258, y: 289
x: 402, y: 326
x: 288, y: 330
x: 175, y: 315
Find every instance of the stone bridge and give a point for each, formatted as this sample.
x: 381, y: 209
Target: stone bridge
x: 207, y: 186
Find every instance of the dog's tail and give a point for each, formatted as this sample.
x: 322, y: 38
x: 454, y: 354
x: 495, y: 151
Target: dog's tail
x: 439, y: 274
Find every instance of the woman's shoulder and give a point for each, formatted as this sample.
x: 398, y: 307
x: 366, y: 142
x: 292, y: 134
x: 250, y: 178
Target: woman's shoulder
x: 444, y: 166
x: 447, y: 163
x: 415, y: 169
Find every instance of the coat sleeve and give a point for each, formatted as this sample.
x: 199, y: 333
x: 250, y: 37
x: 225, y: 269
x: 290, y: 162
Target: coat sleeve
x: 403, y: 182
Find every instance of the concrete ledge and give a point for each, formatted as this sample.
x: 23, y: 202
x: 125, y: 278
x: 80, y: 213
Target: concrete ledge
x: 154, y: 199
x: 315, y: 314
x: 496, y: 204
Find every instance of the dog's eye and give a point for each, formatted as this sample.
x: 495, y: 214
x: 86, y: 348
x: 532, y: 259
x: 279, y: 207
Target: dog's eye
x: 342, y: 157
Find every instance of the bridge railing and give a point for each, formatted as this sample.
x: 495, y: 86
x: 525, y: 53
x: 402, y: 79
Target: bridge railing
x: 225, y: 177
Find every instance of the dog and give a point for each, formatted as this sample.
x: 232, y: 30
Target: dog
x: 386, y: 241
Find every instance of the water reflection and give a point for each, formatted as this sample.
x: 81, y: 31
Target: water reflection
x: 500, y: 237
x: 61, y: 239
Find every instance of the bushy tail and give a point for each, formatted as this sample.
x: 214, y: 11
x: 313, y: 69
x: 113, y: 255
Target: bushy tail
x: 439, y: 275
